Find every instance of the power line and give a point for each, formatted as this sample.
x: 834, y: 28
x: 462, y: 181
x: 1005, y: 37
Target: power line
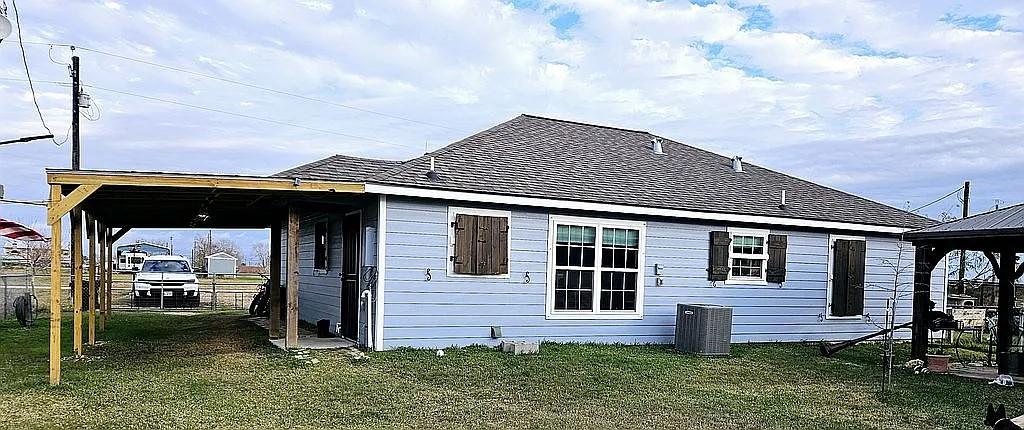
x: 25, y: 202
x: 249, y: 85
x: 28, y: 74
x: 939, y: 199
x: 221, y: 111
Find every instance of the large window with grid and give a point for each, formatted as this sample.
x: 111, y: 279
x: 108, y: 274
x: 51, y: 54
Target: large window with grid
x: 596, y: 268
x: 748, y: 254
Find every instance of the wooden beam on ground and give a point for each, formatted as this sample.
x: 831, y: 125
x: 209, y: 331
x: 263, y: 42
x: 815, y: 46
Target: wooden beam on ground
x: 69, y: 202
x: 201, y: 181
x: 76, y: 275
x: 275, y: 280
x: 102, y: 234
x: 55, y: 310
x: 90, y: 233
x: 292, y: 320
x: 120, y: 233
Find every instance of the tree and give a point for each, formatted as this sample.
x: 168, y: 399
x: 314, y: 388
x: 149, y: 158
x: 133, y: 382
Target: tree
x: 261, y: 253
x: 203, y: 246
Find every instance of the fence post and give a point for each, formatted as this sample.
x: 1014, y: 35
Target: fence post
x: 214, y: 304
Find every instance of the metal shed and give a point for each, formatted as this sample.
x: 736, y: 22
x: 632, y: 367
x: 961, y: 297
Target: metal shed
x: 221, y: 263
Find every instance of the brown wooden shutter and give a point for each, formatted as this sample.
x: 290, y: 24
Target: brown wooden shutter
x: 463, y: 261
x: 840, y: 277
x: 718, y: 256
x: 776, y: 272
x: 855, y: 301
x: 500, y: 244
x: 848, y: 277
x: 484, y: 231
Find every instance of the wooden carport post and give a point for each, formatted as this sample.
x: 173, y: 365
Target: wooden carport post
x: 275, y: 279
x: 292, y: 322
x: 90, y: 233
x: 55, y: 285
x: 102, y: 236
x: 76, y: 275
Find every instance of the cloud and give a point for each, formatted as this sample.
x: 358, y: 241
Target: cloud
x: 837, y: 92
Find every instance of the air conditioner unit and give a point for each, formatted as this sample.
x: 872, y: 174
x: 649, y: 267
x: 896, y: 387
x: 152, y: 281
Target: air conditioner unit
x: 703, y: 329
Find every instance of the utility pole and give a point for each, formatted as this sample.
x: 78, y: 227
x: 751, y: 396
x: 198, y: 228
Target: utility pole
x: 76, y: 93
x: 963, y: 253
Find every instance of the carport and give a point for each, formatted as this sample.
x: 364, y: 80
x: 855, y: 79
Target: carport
x: 999, y: 235
x: 114, y: 202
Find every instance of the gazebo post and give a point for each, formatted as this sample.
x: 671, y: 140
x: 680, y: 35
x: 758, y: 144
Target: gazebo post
x: 1007, y: 301
x: 925, y: 259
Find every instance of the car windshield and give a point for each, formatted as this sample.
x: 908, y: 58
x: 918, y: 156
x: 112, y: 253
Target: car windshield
x: 169, y: 266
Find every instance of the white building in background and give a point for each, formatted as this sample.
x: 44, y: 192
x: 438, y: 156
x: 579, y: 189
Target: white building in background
x: 14, y: 252
x: 221, y: 263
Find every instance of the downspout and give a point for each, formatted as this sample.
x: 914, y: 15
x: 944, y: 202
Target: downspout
x: 368, y: 296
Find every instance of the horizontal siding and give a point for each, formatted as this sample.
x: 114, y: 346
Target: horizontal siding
x: 459, y: 310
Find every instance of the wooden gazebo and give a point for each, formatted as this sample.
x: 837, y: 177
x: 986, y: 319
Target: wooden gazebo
x: 998, y: 234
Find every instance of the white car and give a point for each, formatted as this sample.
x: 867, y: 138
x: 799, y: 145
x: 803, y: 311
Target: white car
x: 167, y: 280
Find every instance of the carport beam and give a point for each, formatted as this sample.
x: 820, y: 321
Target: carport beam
x: 55, y: 311
x: 292, y: 321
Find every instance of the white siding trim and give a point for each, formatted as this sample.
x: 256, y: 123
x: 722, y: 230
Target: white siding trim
x: 625, y: 209
x: 450, y: 246
x: 382, y: 234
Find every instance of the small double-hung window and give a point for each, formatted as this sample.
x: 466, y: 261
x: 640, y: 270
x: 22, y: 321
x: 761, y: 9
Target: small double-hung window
x: 747, y: 254
x: 595, y: 269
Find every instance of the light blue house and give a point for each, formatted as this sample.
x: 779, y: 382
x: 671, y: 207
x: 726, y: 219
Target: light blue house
x: 561, y: 231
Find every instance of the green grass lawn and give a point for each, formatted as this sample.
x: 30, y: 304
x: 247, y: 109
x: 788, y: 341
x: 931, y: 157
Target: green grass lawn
x: 216, y: 370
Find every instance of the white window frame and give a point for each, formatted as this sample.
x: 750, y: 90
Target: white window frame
x: 748, y: 280
x: 596, y: 313
x: 454, y: 211
x: 831, y: 261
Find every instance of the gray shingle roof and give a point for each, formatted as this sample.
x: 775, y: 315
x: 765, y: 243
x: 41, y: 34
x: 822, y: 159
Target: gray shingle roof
x: 339, y: 168
x: 549, y: 158
x: 1006, y: 221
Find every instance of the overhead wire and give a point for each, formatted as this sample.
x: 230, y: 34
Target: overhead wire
x: 938, y: 199
x: 28, y: 74
x: 225, y: 112
x: 248, y: 85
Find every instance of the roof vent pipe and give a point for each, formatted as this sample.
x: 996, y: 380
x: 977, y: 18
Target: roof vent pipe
x: 737, y: 164
x: 656, y: 146
x: 431, y: 164
x: 783, y: 204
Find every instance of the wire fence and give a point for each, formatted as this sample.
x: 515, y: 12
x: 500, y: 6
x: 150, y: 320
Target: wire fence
x: 215, y: 293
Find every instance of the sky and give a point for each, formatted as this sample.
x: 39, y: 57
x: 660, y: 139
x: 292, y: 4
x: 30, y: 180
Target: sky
x: 899, y: 102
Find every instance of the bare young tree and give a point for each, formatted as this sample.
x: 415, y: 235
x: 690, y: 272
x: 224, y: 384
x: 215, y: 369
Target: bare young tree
x: 901, y: 267
x: 261, y: 253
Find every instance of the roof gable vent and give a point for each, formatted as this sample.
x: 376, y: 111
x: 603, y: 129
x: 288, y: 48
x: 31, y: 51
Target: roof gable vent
x: 737, y: 164
x: 656, y: 146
